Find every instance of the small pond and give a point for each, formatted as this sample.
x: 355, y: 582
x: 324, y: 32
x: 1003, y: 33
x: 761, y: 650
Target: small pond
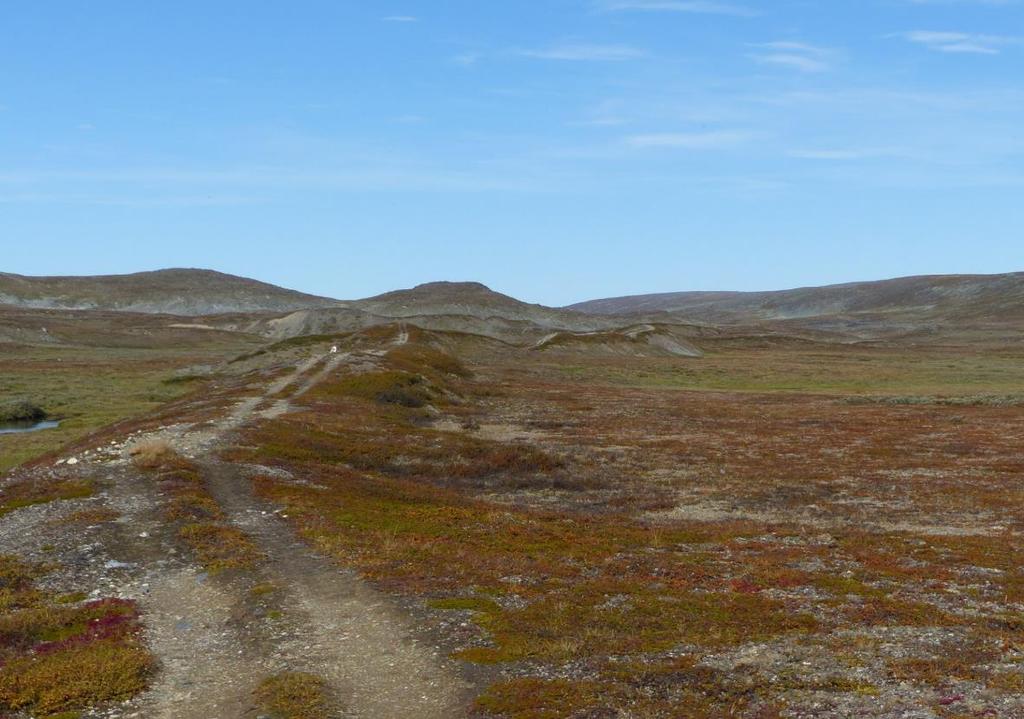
x: 27, y: 426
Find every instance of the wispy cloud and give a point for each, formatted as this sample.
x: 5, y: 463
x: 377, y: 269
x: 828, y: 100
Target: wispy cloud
x: 400, y: 18
x: 467, y: 59
x: 710, y: 140
x: 370, y: 178
x: 959, y: 42
x: 793, y: 55
x: 705, y: 7
x: 846, y: 154
x: 963, y: 2
x: 123, y: 200
x: 608, y: 113
x: 585, y: 53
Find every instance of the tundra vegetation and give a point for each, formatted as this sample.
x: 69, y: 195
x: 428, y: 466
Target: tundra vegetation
x: 733, y: 537
x: 87, y: 388
x: 775, y: 526
x: 63, y: 653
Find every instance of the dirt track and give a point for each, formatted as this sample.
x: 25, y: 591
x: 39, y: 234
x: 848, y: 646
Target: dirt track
x: 334, y: 625
x: 213, y: 640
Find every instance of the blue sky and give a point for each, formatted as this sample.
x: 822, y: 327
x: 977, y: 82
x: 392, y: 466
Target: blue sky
x: 556, y: 150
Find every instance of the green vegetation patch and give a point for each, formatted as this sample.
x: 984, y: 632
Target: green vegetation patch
x: 89, y: 388
x: 21, y: 411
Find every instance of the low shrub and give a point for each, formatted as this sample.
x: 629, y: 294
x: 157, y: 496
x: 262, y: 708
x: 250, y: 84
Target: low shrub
x: 386, y: 387
x: 58, y: 654
x: 21, y: 411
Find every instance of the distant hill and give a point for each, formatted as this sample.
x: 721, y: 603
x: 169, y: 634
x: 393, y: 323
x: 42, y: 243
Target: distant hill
x: 927, y: 308
x: 173, y: 291
x: 470, y: 299
x: 456, y: 306
x: 899, y: 306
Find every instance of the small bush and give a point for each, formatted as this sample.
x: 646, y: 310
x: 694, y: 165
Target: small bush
x: 21, y: 411
x: 403, y: 397
x: 95, y: 515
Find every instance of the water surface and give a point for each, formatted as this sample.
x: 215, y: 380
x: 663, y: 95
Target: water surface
x: 27, y: 426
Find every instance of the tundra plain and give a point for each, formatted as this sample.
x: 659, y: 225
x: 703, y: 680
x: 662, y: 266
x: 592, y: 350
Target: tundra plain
x: 443, y: 523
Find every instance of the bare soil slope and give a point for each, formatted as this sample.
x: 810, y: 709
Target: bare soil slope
x: 172, y: 291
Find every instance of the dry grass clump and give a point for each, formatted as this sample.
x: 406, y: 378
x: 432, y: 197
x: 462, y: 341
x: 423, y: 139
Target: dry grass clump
x: 64, y: 656
x: 294, y: 695
x: 75, y: 678
x: 530, y: 698
x: 938, y: 672
x: 151, y: 454
x: 1012, y: 681
x: 16, y: 578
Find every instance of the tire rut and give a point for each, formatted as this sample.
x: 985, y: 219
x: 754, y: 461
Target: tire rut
x: 335, y: 625
x: 347, y: 632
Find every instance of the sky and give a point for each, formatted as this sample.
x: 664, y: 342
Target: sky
x: 556, y: 150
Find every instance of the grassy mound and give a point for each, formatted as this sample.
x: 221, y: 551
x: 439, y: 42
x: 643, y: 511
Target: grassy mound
x: 21, y: 411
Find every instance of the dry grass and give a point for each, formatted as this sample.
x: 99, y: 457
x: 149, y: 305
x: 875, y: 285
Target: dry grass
x: 220, y: 547
x: 95, y: 515
x: 152, y: 453
x: 294, y: 695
